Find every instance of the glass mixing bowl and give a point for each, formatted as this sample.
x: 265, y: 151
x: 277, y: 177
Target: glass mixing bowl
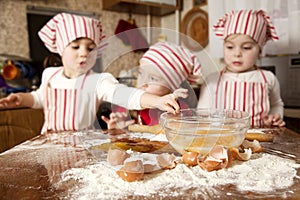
x: 199, y: 130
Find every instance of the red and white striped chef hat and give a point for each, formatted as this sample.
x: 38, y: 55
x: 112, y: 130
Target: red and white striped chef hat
x: 64, y: 28
x: 255, y: 23
x: 174, y: 62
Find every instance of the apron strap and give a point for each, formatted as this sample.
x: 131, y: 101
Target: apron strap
x: 262, y: 74
x: 47, y: 84
x: 54, y: 74
x: 84, y: 78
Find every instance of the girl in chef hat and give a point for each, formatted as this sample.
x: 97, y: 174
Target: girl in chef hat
x: 71, y: 94
x: 166, y: 68
x: 242, y: 85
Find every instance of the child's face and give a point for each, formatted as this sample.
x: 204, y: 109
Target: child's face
x: 151, y: 81
x: 78, y: 57
x: 240, y: 53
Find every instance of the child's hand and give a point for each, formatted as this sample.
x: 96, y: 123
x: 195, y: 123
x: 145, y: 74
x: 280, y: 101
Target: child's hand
x: 273, y: 120
x: 168, y: 103
x: 11, y: 101
x: 181, y: 92
x: 117, y: 120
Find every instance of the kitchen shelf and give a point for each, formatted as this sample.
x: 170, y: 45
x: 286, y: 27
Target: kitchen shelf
x: 140, y: 7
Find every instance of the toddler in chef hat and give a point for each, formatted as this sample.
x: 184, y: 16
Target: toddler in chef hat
x: 71, y: 94
x: 64, y: 28
x: 173, y: 63
x: 256, y: 24
x: 242, y: 85
x: 166, y: 68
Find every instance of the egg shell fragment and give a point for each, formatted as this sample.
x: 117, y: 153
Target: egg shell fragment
x: 166, y: 161
x: 216, y: 159
x: 190, y: 158
x: 116, y: 156
x: 132, y: 171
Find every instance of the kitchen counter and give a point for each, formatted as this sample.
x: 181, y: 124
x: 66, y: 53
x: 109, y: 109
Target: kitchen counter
x: 36, y: 169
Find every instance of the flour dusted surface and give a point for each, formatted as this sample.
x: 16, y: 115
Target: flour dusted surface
x: 262, y: 173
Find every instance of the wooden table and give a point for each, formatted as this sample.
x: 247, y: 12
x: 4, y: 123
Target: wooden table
x: 32, y: 169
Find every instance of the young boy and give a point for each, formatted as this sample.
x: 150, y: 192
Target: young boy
x: 242, y: 85
x: 71, y: 94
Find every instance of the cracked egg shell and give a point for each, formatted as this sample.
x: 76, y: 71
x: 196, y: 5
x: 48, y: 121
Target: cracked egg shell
x: 254, y: 145
x: 134, y: 165
x: 218, y: 152
x: 130, y: 176
x: 210, y: 165
x: 149, y: 168
x: 166, y: 161
x: 242, y: 156
x: 116, y: 156
x: 216, y: 159
x: 132, y: 171
x: 190, y: 158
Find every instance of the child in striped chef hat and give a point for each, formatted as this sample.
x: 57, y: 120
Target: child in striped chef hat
x: 71, y: 94
x: 166, y: 68
x: 242, y: 85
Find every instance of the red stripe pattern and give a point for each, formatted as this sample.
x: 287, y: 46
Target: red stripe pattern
x: 251, y: 97
x: 255, y: 23
x: 174, y: 62
x: 65, y: 109
x: 64, y: 28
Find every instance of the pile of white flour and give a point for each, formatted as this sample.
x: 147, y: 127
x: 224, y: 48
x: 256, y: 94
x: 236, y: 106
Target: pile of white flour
x: 262, y: 173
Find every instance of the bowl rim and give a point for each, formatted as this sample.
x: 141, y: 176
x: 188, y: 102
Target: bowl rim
x: 245, y: 116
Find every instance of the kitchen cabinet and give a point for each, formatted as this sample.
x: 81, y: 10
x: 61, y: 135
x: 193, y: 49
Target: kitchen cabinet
x: 141, y: 7
x: 18, y: 125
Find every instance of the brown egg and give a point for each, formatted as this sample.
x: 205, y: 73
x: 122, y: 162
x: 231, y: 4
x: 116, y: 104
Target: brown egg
x: 132, y: 171
x: 190, y: 158
x: 166, y: 161
x: 116, y: 156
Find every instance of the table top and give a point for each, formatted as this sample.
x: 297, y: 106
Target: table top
x: 41, y: 168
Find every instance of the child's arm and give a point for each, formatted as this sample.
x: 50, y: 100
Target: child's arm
x: 166, y: 103
x: 275, y: 116
x: 17, y: 99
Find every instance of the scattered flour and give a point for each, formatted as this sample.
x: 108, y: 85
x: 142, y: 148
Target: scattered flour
x: 262, y: 173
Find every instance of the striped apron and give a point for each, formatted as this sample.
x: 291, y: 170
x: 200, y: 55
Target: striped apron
x: 69, y: 109
x: 251, y: 97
